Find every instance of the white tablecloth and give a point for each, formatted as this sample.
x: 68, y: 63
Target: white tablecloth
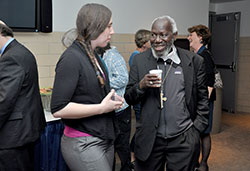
x: 49, y: 117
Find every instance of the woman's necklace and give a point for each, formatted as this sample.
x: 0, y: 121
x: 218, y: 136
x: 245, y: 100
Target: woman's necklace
x: 161, y: 93
x: 100, y: 69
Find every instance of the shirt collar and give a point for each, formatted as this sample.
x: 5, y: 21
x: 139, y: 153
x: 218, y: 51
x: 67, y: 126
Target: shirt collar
x: 201, y: 49
x: 6, y: 44
x: 172, y: 55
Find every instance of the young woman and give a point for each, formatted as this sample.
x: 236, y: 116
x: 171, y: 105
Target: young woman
x: 82, y: 97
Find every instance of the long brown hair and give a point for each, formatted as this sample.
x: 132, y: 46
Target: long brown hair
x: 92, y: 20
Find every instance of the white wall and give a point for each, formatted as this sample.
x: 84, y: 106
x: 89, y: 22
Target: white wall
x: 212, y: 7
x: 239, y: 6
x: 131, y: 15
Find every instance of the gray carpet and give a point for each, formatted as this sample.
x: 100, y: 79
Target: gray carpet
x: 231, y: 147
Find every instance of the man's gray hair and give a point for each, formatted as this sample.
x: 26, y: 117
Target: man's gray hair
x: 170, y: 19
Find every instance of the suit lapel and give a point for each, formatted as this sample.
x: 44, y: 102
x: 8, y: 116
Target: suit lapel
x: 152, y: 64
x: 186, y: 63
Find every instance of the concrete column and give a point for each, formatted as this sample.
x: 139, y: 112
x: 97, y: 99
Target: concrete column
x: 217, y: 112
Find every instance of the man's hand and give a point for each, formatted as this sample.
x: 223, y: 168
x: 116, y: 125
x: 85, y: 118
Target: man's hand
x: 150, y: 80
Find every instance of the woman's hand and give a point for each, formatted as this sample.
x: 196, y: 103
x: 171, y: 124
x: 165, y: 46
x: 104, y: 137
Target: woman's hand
x: 77, y: 110
x: 112, y: 102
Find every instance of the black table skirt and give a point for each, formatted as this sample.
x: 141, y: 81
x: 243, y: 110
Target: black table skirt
x: 48, y: 155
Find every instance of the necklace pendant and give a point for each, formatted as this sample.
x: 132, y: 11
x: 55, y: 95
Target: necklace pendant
x: 162, y: 99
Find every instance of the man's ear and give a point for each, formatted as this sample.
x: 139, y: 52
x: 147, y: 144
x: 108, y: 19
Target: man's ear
x: 175, y: 35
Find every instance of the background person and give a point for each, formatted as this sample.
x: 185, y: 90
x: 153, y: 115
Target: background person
x: 118, y: 77
x: 81, y: 95
x: 172, y: 115
x: 21, y: 113
x: 199, y: 36
x: 142, y: 42
x: 69, y: 37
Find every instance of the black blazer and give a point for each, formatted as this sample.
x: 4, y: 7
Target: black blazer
x: 210, y: 71
x: 21, y: 112
x: 196, y: 94
x: 76, y: 81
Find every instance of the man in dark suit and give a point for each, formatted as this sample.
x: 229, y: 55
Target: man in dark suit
x: 21, y: 113
x: 174, y: 109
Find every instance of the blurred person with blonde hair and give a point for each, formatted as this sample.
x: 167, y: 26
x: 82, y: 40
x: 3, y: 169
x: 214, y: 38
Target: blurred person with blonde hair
x: 142, y: 37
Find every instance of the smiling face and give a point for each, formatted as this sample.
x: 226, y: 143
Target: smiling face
x: 194, y: 41
x: 104, y: 38
x: 162, y: 37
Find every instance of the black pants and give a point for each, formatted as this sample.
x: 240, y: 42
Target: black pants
x: 178, y: 154
x: 122, y: 141
x: 17, y: 159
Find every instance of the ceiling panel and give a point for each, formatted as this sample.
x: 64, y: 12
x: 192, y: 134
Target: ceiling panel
x: 223, y: 1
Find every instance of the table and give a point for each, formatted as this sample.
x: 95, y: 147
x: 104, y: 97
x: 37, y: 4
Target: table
x: 48, y: 155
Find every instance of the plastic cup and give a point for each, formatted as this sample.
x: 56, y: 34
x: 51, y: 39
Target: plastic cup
x: 157, y: 72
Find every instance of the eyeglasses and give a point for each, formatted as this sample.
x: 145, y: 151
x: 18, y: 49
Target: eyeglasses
x: 161, y: 36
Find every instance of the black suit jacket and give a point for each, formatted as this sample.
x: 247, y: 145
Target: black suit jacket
x: 21, y: 112
x: 196, y: 96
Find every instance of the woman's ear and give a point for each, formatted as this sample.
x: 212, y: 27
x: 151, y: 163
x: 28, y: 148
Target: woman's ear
x: 201, y: 41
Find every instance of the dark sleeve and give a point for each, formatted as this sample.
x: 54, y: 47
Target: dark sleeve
x: 11, y: 79
x: 65, y: 83
x: 209, y: 67
x: 133, y: 94
x: 202, y: 108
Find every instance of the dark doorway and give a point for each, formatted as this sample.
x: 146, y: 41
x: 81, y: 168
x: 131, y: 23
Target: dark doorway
x: 225, y: 47
x: 182, y: 43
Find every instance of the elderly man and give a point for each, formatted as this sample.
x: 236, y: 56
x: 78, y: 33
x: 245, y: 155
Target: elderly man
x: 174, y: 109
x: 21, y: 113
